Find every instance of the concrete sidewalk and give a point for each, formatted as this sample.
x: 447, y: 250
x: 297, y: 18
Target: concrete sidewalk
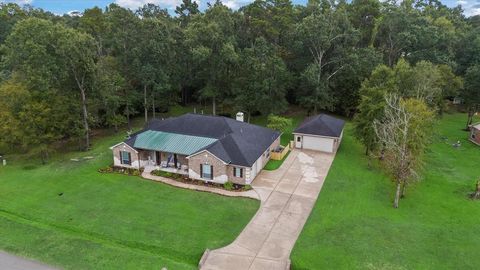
x: 288, y: 196
x: 12, y: 262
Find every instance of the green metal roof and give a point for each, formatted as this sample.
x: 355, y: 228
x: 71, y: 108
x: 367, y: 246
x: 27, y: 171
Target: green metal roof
x: 171, y: 142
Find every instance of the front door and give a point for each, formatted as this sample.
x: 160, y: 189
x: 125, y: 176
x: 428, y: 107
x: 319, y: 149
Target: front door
x: 158, y: 157
x: 175, y: 160
x: 298, y: 142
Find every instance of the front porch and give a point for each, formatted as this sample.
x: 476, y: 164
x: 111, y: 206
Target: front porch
x: 164, y: 161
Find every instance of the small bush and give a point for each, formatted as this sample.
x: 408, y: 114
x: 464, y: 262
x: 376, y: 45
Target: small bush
x: 228, y: 185
x: 247, y: 188
x: 279, y: 123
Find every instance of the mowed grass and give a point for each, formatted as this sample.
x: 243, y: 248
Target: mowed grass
x: 275, y: 164
x: 353, y: 225
x: 68, y: 215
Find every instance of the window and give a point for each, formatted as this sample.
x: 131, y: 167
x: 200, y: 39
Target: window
x: 299, y: 139
x: 125, y: 158
x: 206, y: 171
x: 238, y: 172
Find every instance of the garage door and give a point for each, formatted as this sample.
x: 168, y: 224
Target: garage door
x: 318, y: 143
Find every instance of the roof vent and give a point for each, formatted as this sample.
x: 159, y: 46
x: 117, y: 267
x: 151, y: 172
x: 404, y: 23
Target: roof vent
x: 240, y: 116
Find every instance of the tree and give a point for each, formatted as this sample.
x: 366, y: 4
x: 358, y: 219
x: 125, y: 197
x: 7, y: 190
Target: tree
x: 186, y: 10
x: 404, y: 132
x: 372, y: 104
x: 213, y: 48
x: 348, y: 81
x: 10, y: 14
x: 471, y: 93
x: 324, y: 33
x: 93, y: 21
x: 110, y: 85
x: 425, y: 81
x: 152, y: 11
x: 272, y: 20
x: 279, y: 123
x: 28, y: 123
x: 122, y: 37
x: 364, y: 14
x: 77, y: 50
x: 151, y: 58
x: 261, y: 80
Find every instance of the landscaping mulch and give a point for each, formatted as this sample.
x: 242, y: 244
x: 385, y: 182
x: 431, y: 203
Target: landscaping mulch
x: 184, y: 179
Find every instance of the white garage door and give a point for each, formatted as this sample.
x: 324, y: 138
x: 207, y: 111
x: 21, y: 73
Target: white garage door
x: 318, y: 143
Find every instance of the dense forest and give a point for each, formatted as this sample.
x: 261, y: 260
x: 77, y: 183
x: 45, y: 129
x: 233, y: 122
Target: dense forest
x: 62, y: 76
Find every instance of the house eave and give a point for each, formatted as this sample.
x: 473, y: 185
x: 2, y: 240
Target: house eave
x: 205, y: 150
x: 315, y: 135
x: 118, y: 144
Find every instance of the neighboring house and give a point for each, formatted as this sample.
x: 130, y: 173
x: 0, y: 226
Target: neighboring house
x: 209, y: 148
x: 475, y: 133
x: 457, y: 101
x: 320, y: 132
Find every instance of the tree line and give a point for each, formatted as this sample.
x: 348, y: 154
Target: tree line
x: 61, y: 76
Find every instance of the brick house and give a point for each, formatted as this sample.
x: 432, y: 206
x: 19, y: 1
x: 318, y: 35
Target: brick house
x: 209, y: 148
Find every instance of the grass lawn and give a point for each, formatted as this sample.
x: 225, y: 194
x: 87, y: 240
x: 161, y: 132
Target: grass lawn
x: 275, y: 164
x: 353, y: 225
x: 109, y: 221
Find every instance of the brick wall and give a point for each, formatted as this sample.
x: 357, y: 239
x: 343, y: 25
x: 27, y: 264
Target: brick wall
x: 219, y: 168
x: 231, y: 176
x: 133, y: 155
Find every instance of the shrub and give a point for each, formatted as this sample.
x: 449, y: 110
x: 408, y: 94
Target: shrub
x: 126, y: 171
x: 228, y: 185
x: 247, y: 187
x: 279, y: 123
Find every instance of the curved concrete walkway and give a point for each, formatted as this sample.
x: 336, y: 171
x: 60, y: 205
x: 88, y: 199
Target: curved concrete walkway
x: 247, y: 194
x: 288, y: 196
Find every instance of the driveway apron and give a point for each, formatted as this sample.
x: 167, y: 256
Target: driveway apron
x: 288, y: 195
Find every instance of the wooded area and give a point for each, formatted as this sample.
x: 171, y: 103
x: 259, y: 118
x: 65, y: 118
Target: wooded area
x: 64, y: 75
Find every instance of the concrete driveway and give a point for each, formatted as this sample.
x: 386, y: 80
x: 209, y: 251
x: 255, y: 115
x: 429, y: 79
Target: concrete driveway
x: 288, y: 196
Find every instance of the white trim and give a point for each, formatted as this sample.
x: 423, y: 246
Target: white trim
x: 124, y: 144
x: 192, y: 155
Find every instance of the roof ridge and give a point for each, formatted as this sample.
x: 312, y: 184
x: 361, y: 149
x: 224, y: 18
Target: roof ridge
x: 320, y: 116
x: 237, y: 147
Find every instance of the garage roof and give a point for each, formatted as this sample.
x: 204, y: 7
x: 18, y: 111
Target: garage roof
x: 171, y: 142
x: 321, y: 125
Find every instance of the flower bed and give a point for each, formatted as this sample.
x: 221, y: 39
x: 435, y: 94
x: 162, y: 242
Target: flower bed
x: 121, y: 170
x: 230, y: 186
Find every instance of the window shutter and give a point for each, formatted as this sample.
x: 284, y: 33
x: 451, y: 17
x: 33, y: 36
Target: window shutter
x: 121, y: 159
x: 211, y: 172
x: 201, y: 170
x: 129, y: 158
x: 241, y: 172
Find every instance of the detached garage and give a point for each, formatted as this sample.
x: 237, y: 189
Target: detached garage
x: 320, y: 132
